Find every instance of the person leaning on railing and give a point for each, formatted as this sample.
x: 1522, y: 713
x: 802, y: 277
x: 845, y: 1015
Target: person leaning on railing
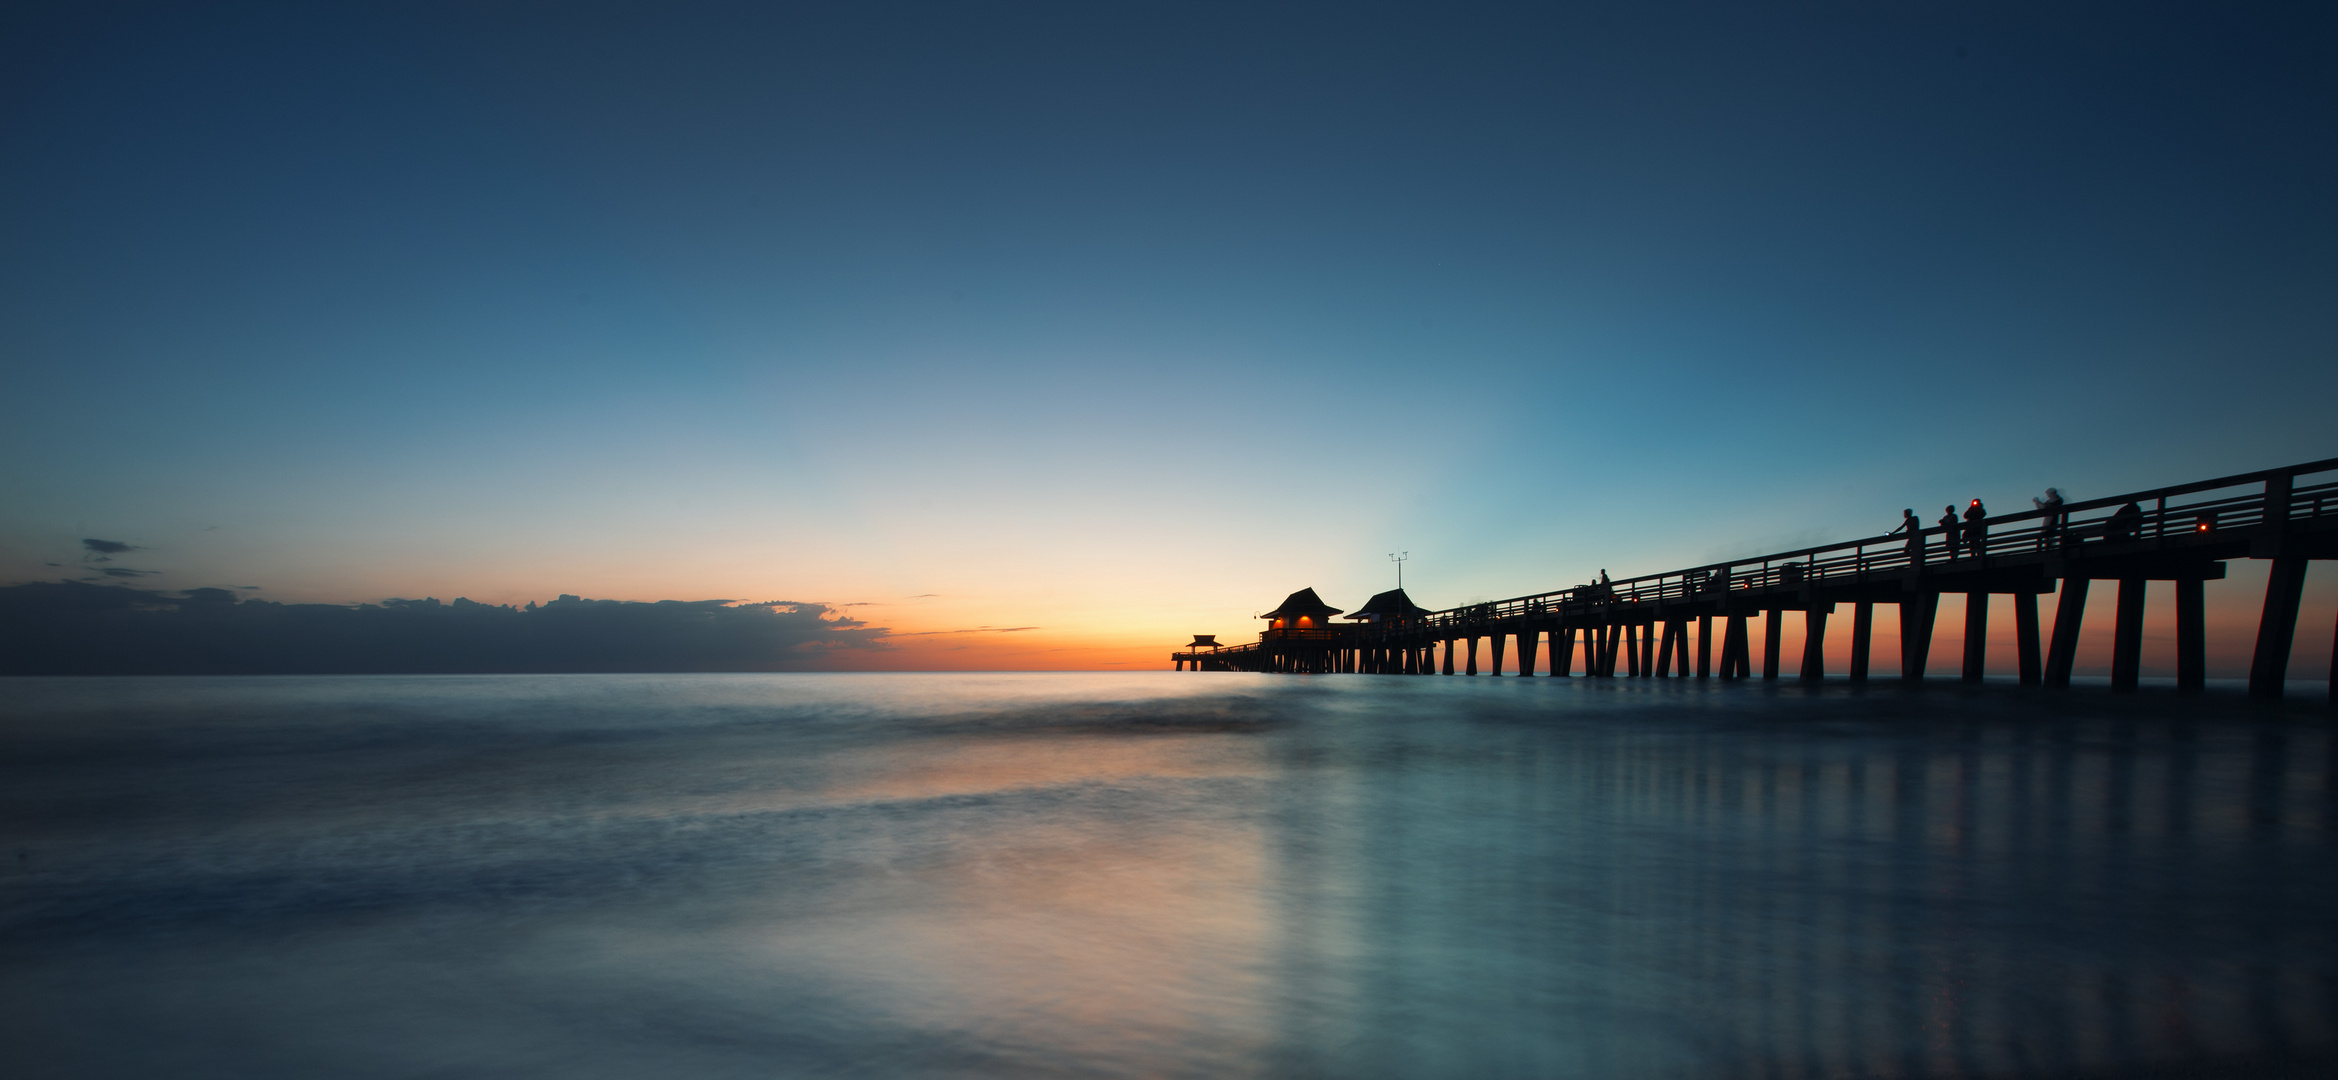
x: 2125, y: 523
x: 1915, y: 531
x: 2051, y: 526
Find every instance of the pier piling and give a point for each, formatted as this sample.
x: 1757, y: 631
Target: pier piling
x: 1862, y: 633
x: 2277, y: 628
x: 2025, y: 633
x: 1916, y: 614
x: 1814, y: 643
x: 2127, y: 636
x: 2191, y: 635
x: 2068, y: 614
x: 1976, y: 635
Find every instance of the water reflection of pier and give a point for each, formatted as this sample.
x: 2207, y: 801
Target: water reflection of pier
x: 2183, y: 534
x: 2045, y: 899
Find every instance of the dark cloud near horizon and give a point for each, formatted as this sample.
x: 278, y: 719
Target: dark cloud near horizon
x: 107, y: 547
x: 71, y: 628
x: 126, y: 572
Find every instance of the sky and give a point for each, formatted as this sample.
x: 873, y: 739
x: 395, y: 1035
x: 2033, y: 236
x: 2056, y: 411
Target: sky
x: 1046, y: 336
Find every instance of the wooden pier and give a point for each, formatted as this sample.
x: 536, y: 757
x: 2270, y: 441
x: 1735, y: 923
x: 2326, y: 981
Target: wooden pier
x: 1643, y: 625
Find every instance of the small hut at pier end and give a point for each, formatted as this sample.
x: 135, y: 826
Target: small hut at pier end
x: 1302, y: 610
x: 1389, y: 610
x: 1195, y: 655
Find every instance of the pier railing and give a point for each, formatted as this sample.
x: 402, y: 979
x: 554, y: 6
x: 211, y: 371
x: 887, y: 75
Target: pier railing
x: 2088, y: 526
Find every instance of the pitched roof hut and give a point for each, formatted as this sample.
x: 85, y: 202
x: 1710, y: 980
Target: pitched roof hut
x: 1302, y: 610
x: 1391, y: 608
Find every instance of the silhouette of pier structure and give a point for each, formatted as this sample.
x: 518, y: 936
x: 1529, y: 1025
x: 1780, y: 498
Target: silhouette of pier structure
x: 2184, y: 534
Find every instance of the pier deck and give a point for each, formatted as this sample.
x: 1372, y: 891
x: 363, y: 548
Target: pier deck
x: 2184, y: 533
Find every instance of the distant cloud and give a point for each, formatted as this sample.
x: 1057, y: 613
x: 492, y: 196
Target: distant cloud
x: 94, y: 550
x: 124, y: 571
x: 925, y: 596
x: 58, y: 628
x: 976, y: 630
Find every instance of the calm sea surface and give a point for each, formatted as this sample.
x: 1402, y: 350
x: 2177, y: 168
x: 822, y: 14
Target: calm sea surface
x: 1158, y: 875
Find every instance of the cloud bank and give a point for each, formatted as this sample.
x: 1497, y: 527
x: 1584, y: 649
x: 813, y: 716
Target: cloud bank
x: 73, y: 628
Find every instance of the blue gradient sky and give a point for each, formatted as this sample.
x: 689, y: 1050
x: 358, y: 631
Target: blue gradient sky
x: 1125, y: 323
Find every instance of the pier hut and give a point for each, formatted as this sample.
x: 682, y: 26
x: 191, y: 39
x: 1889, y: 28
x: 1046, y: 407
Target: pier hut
x: 1390, y: 609
x: 1300, y: 636
x: 1388, y: 642
x: 1302, y: 610
x: 1193, y: 653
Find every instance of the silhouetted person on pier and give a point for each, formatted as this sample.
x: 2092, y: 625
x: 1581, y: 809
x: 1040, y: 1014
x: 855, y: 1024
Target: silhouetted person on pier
x: 1977, y: 529
x: 2126, y: 523
x: 1948, y: 530
x: 1915, y: 531
x: 2049, y: 529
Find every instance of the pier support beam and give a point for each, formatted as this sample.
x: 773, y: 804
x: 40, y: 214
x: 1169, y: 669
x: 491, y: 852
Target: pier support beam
x: 1976, y: 635
x: 1448, y: 656
x: 1704, y: 646
x: 2025, y: 636
x: 1862, y: 633
x: 2277, y: 628
x: 1632, y: 641
x: 1472, y: 656
x: 2069, y: 612
x: 1814, y: 643
x: 1772, y: 622
x: 1499, y: 641
x: 1916, y: 614
x: 1527, y: 640
x: 2191, y: 635
x: 1666, y: 649
x: 1563, y: 653
x: 1735, y: 664
x: 2127, y: 637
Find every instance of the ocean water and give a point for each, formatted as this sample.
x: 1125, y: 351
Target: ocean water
x: 1158, y: 875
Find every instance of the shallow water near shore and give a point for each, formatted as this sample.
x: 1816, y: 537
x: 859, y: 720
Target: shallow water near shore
x: 1157, y: 875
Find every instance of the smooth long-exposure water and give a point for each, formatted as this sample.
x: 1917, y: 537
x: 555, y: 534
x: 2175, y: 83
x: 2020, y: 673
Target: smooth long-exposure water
x: 1159, y: 875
